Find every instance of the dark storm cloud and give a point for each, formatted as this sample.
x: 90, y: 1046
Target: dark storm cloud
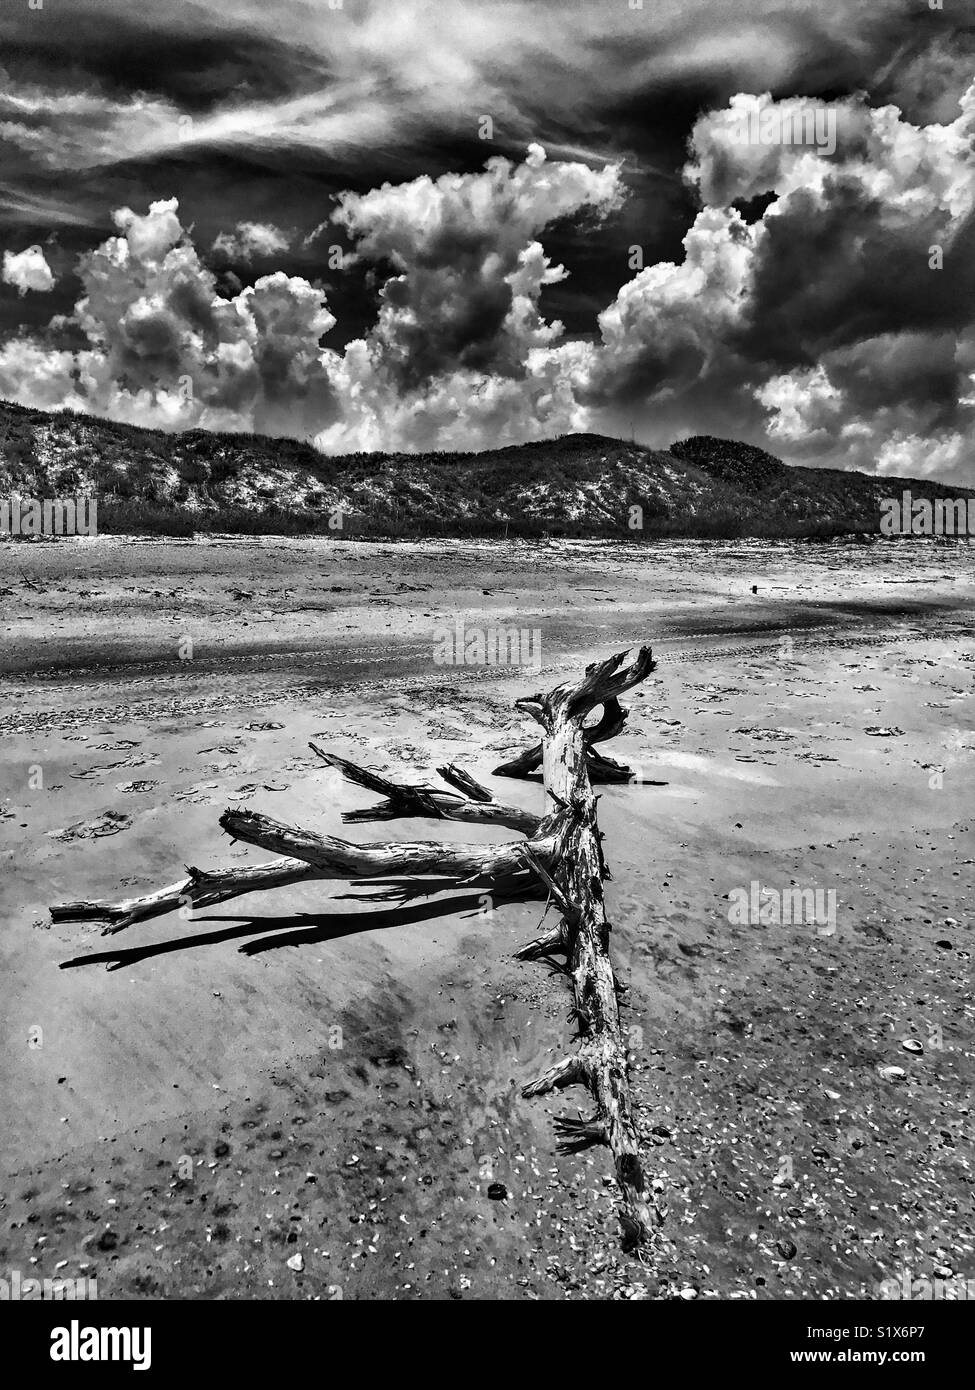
x: 913, y: 369
x: 193, y: 57
x: 872, y: 275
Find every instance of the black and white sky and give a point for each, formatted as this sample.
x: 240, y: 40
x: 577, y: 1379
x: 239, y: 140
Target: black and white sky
x: 440, y: 224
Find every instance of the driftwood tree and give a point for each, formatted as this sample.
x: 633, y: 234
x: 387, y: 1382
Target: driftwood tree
x: 562, y: 853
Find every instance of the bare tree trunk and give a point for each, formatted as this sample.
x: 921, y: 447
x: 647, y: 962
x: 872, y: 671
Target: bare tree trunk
x: 601, y: 768
x: 563, y: 850
x: 576, y: 881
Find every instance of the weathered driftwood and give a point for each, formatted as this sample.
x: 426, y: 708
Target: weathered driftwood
x: 203, y: 888
x: 582, y: 936
x: 341, y: 859
x: 601, y: 768
x: 332, y: 858
x: 476, y: 805
x: 563, y: 851
x: 310, y: 856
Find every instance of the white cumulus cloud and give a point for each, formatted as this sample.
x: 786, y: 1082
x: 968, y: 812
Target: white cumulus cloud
x: 251, y: 241
x: 27, y: 270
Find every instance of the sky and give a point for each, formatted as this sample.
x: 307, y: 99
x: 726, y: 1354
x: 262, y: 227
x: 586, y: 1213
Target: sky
x: 394, y: 224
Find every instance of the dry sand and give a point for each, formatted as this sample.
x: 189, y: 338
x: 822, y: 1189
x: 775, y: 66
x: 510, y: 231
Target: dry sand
x: 342, y: 1072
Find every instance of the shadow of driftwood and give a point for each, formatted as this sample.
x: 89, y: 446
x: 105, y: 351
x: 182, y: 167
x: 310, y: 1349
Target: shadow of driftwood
x: 309, y: 928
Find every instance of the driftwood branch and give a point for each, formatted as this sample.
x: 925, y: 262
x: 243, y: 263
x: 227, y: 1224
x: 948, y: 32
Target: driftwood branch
x: 601, y: 769
x: 562, y: 854
x: 334, y: 858
x: 309, y: 857
x: 600, y: 1062
x: 474, y: 805
x: 203, y: 888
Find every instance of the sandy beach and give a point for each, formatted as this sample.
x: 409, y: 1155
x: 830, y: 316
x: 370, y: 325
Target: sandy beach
x: 334, y: 1071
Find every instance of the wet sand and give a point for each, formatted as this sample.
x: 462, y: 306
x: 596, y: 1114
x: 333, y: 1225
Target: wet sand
x: 791, y: 736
